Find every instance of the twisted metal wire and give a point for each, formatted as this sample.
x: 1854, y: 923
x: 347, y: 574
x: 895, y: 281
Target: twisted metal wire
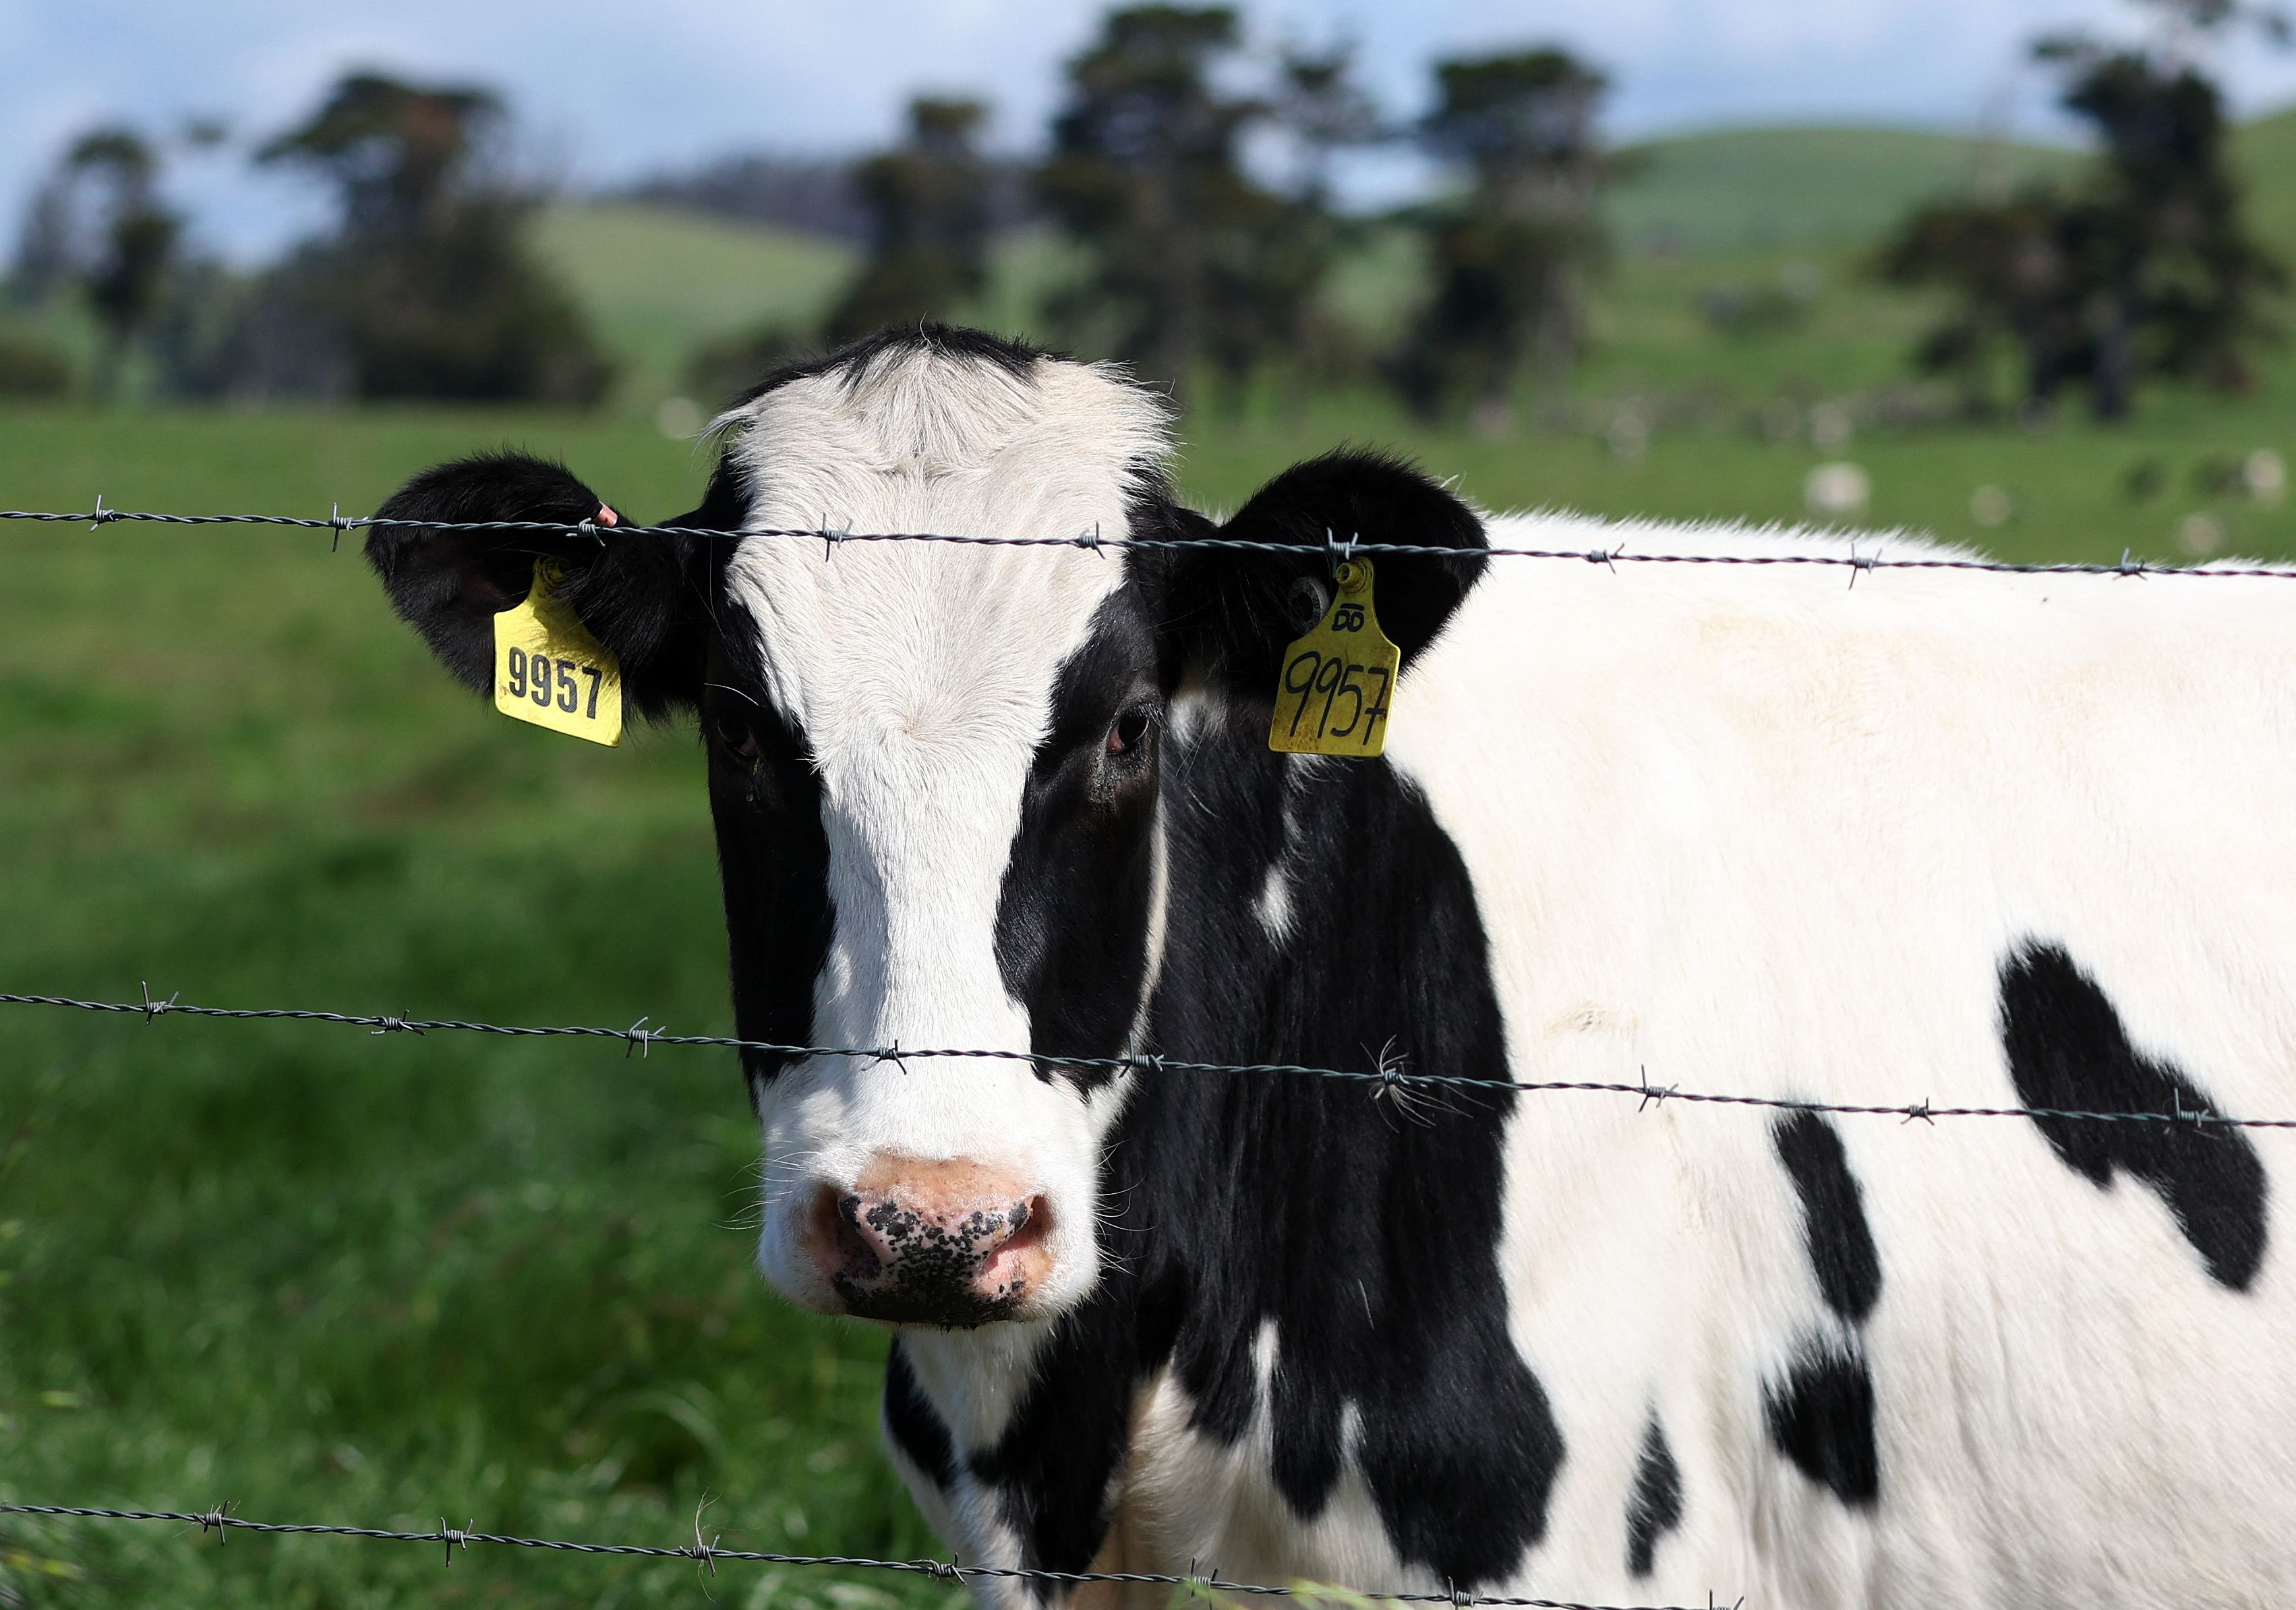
x: 1386, y: 1078
x: 702, y: 1552
x: 338, y: 523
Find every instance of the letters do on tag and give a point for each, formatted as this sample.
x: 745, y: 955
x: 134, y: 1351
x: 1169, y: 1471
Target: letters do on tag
x: 1332, y: 693
x: 550, y: 671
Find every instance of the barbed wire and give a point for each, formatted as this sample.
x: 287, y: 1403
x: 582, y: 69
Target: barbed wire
x: 705, y: 1552
x: 1389, y: 1077
x: 338, y: 523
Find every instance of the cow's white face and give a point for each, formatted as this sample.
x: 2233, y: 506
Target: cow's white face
x: 910, y: 697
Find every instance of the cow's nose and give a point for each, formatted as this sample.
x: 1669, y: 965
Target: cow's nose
x: 946, y: 1244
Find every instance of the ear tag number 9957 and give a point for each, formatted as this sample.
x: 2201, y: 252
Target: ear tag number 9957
x: 550, y: 671
x: 1332, y: 693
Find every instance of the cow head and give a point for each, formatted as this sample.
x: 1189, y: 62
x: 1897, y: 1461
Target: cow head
x: 937, y: 771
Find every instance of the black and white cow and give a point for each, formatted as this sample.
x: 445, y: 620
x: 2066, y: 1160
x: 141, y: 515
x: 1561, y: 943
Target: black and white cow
x: 2003, y: 842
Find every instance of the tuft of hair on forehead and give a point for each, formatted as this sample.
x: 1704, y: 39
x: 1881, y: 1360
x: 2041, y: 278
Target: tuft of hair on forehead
x: 950, y: 431
x: 931, y: 431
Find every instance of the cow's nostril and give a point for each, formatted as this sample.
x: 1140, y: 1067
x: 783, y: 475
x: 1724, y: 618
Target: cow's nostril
x: 946, y: 1244
x: 841, y: 1244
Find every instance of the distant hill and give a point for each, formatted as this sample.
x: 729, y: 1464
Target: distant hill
x: 1756, y: 188
x: 2267, y: 151
x: 660, y: 280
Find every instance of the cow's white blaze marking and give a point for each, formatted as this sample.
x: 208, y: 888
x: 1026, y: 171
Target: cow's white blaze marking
x: 921, y: 675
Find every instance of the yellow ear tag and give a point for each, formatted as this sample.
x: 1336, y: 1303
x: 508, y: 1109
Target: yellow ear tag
x: 550, y: 671
x: 1333, y: 695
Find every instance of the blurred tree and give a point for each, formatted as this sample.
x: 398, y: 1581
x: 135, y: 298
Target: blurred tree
x: 47, y: 248
x: 1321, y: 110
x: 427, y: 281
x: 1509, y: 260
x: 1144, y: 175
x: 98, y: 222
x: 2148, y: 269
x: 928, y: 205
x: 2005, y: 263
x: 136, y: 243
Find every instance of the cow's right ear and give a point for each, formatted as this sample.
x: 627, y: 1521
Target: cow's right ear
x: 1233, y: 595
x: 641, y: 596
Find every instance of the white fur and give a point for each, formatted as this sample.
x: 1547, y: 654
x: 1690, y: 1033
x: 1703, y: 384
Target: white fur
x: 922, y: 675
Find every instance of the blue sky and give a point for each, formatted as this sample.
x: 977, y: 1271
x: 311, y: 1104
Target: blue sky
x: 604, y: 91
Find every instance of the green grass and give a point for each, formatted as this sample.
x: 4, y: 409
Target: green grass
x: 333, y: 1276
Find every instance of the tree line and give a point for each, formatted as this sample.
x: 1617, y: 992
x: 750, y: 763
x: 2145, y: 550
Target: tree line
x: 1193, y: 183
x: 1208, y: 272
x: 424, y: 287
x: 2147, y: 268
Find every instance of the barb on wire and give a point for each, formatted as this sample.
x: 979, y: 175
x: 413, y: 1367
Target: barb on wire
x: 1385, y: 1076
x: 1610, y: 558
x: 710, y: 1553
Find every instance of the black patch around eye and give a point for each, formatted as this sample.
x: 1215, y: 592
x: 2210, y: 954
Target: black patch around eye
x: 1073, y: 915
x: 2068, y: 1051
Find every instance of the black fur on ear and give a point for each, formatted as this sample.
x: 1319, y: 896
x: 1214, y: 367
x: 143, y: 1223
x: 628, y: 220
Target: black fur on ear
x: 642, y: 597
x: 1232, y: 611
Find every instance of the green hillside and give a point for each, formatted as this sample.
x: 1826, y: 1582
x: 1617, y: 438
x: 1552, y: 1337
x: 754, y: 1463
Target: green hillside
x: 1762, y: 188
x: 2267, y: 151
x: 1701, y: 222
x: 659, y: 281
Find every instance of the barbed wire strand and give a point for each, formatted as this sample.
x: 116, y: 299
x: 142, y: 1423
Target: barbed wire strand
x: 706, y: 1553
x: 338, y: 523
x: 1388, y: 1076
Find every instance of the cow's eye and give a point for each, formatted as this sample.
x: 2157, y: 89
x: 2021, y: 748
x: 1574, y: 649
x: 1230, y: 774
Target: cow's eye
x: 1130, y: 732
x: 737, y: 737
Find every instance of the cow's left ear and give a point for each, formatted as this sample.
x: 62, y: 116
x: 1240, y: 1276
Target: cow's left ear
x: 1230, y: 611
x: 641, y: 596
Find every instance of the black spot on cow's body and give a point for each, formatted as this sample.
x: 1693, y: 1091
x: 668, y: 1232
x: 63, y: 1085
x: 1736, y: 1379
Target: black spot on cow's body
x: 1654, y: 1508
x: 912, y: 1423
x: 1821, y: 1416
x: 2068, y: 1051
x: 1832, y: 1214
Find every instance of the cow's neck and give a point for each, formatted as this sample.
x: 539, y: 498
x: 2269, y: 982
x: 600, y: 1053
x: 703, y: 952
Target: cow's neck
x: 1294, y: 1247
x: 1284, y: 1228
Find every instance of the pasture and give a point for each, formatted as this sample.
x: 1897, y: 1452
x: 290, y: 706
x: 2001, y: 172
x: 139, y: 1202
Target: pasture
x: 328, y: 1276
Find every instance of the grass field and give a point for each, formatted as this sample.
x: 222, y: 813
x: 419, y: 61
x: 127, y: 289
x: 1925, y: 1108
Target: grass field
x: 331, y: 1276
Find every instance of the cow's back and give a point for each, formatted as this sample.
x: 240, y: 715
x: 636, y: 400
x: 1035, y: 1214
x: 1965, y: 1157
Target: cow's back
x: 1973, y: 841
